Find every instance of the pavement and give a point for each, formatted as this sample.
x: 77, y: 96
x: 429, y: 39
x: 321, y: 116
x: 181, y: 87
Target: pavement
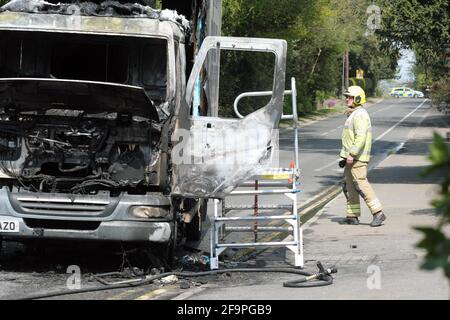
x: 373, y: 263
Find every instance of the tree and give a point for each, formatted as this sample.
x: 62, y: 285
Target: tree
x: 416, y: 22
x: 422, y: 26
x: 318, y: 33
x: 379, y: 61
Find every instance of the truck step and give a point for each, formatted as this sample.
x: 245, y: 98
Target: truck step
x: 258, y: 229
x: 262, y: 184
x: 274, y: 191
x: 260, y: 207
x: 260, y: 218
x: 256, y: 244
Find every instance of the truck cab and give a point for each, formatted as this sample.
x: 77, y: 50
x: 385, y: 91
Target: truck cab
x: 94, y: 99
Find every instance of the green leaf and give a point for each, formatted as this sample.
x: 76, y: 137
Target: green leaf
x: 432, y: 237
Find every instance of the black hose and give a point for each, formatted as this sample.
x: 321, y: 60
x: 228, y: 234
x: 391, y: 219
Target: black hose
x: 74, y: 169
x: 322, y: 281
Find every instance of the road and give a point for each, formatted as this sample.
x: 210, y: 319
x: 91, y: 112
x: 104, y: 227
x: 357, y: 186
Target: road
x: 393, y: 122
x: 320, y: 142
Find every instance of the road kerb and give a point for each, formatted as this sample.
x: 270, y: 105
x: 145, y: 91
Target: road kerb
x: 305, y: 123
x: 316, y: 201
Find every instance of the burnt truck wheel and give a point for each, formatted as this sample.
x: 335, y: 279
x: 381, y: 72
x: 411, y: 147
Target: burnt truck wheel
x: 166, y: 250
x: 153, y: 255
x: 193, y: 229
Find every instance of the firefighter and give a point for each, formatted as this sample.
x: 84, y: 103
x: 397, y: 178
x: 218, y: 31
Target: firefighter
x: 355, y: 154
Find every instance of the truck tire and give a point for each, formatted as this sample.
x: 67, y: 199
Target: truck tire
x: 167, y: 252
x: 194, y: 228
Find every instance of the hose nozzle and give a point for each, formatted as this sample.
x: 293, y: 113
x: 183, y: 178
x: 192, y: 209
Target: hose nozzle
x: 325, y: 272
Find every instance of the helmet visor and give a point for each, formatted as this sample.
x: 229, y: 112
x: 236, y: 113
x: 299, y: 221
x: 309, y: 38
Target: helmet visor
x: 348, y: 94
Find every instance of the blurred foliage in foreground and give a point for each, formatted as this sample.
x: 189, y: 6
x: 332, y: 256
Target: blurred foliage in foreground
x: 435, y: 241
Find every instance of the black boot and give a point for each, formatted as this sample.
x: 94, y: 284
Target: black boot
x: 378, y: 219
x: 351, y: 220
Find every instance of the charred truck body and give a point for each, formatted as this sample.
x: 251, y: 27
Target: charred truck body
x: 92, y: 98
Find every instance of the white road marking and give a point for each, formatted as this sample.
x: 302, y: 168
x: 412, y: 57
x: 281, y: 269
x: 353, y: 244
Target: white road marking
x: 333, y: 130
x: 403, y: 119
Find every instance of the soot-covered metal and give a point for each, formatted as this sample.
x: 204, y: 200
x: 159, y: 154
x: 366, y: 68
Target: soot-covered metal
x: 99, y: 8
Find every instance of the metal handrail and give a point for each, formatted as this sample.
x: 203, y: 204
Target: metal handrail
x: 293, y: 116
x: 292, y: 92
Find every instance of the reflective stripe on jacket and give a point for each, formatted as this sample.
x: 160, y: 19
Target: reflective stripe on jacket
x: 357, y: 136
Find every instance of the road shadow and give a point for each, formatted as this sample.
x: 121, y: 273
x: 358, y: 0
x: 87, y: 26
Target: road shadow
x: 50, y: 257
x: 402, y: 175
x: 392, y: 175
x: 424, y: 212
x: 342, y: 221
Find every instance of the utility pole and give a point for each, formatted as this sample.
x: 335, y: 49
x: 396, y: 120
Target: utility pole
x: 347, y: 84
x: 345, y: 71
x: 213, y: 28
x: 343, y: 76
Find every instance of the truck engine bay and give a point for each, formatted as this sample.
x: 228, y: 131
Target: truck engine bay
x: 77, y: 152
x: 81, y: 113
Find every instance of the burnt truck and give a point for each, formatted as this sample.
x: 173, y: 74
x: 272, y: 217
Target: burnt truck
x: 98, y: 138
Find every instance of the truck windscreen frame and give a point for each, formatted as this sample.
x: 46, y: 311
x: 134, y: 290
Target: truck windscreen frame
x: 113, y: 59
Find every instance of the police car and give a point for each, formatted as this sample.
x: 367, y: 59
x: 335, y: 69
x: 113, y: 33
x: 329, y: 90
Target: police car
x: 406, y: 93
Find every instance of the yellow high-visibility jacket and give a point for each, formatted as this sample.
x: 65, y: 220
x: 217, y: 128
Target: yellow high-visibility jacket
x: 357, y: 136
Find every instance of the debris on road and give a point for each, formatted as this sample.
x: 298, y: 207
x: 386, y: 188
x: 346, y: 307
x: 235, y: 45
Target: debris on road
x: 169, y: 280
x: 195, y: 261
